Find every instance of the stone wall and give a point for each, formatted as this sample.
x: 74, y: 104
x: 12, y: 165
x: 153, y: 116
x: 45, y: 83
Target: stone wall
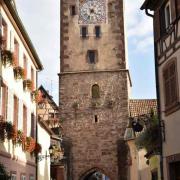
x: 93, y: 126
x: 94, y: 144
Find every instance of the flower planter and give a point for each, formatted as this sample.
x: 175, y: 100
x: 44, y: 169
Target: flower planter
x: 27, y: 85
x: 36, y: 96
x: 10, y: 131
x: 6, y: 57
x: 18, y: 72
x: 30, y: 144
x: 2, y: 131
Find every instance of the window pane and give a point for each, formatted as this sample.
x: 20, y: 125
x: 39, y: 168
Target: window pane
x: 84, y: 31
x: 91, y: 56
x: 97, y: 30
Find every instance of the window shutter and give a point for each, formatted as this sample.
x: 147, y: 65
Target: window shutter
x: 10, y: 106
x: 156, y: 25
x: 173, y: 9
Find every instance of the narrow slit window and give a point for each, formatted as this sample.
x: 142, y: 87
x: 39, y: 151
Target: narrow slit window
x: 98, y: 31
x: 96, y: 119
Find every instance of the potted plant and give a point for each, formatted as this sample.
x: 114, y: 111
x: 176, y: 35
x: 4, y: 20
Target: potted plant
x: 18, y: 72
x: 36, y: 96
x: 4, y: 173
x: 6, y: 57
x: 27, y: 85
x: 19, y: 138
x: 10, y: 130
x: 149, y: 139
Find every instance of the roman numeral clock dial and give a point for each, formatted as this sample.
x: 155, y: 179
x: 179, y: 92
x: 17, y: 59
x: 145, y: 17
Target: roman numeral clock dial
x: 92, y: 11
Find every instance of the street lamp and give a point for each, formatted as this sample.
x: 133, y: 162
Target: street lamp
x: 41, y: 157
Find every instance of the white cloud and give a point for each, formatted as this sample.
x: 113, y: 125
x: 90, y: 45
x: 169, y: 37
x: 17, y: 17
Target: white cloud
x: 139, y: 26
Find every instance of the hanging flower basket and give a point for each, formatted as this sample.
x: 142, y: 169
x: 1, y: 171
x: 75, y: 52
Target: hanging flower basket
x: 19, y: 138
x: 18, y: 72
x: 36, y: 96
x: 6, y: 57
x: 27, y: 85
x: 10, y: 130
x: 30, y: 144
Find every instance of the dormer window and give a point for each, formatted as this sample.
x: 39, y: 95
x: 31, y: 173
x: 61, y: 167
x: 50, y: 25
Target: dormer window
x: 84, y: 32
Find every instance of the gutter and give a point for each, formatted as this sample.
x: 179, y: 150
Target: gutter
x: 158, y: 103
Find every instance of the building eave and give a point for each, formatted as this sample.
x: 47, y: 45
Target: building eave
x: 151, y: 4
x: 24, y: 33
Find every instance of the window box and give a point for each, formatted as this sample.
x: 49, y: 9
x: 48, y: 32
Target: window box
x: 27, y: 85
x: 18, y: 72
x: 6, y: 57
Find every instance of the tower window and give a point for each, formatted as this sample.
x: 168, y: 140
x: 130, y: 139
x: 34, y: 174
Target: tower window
x: 95, y: 119
x: 73, y: 10
x: 92, y: 56
x: 98, y: 31
x: 84, y: 31
x: 95, y: 91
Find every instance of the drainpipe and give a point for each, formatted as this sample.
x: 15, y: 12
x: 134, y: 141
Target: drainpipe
x: 0, y: 55
x: 158, y: 102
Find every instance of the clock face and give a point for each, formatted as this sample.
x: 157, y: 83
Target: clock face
x: 92, y: 12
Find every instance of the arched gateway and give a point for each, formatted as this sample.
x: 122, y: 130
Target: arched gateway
x: 94, y: 174
x: 93, y: 86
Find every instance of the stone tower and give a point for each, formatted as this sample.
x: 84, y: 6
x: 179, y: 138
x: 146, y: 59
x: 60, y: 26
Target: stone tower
x: 93, y: 85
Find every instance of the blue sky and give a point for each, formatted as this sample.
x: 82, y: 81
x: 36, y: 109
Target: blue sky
x: 41, y: 19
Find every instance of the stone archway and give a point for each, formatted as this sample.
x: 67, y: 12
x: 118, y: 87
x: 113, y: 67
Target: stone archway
x: 94, y: 174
